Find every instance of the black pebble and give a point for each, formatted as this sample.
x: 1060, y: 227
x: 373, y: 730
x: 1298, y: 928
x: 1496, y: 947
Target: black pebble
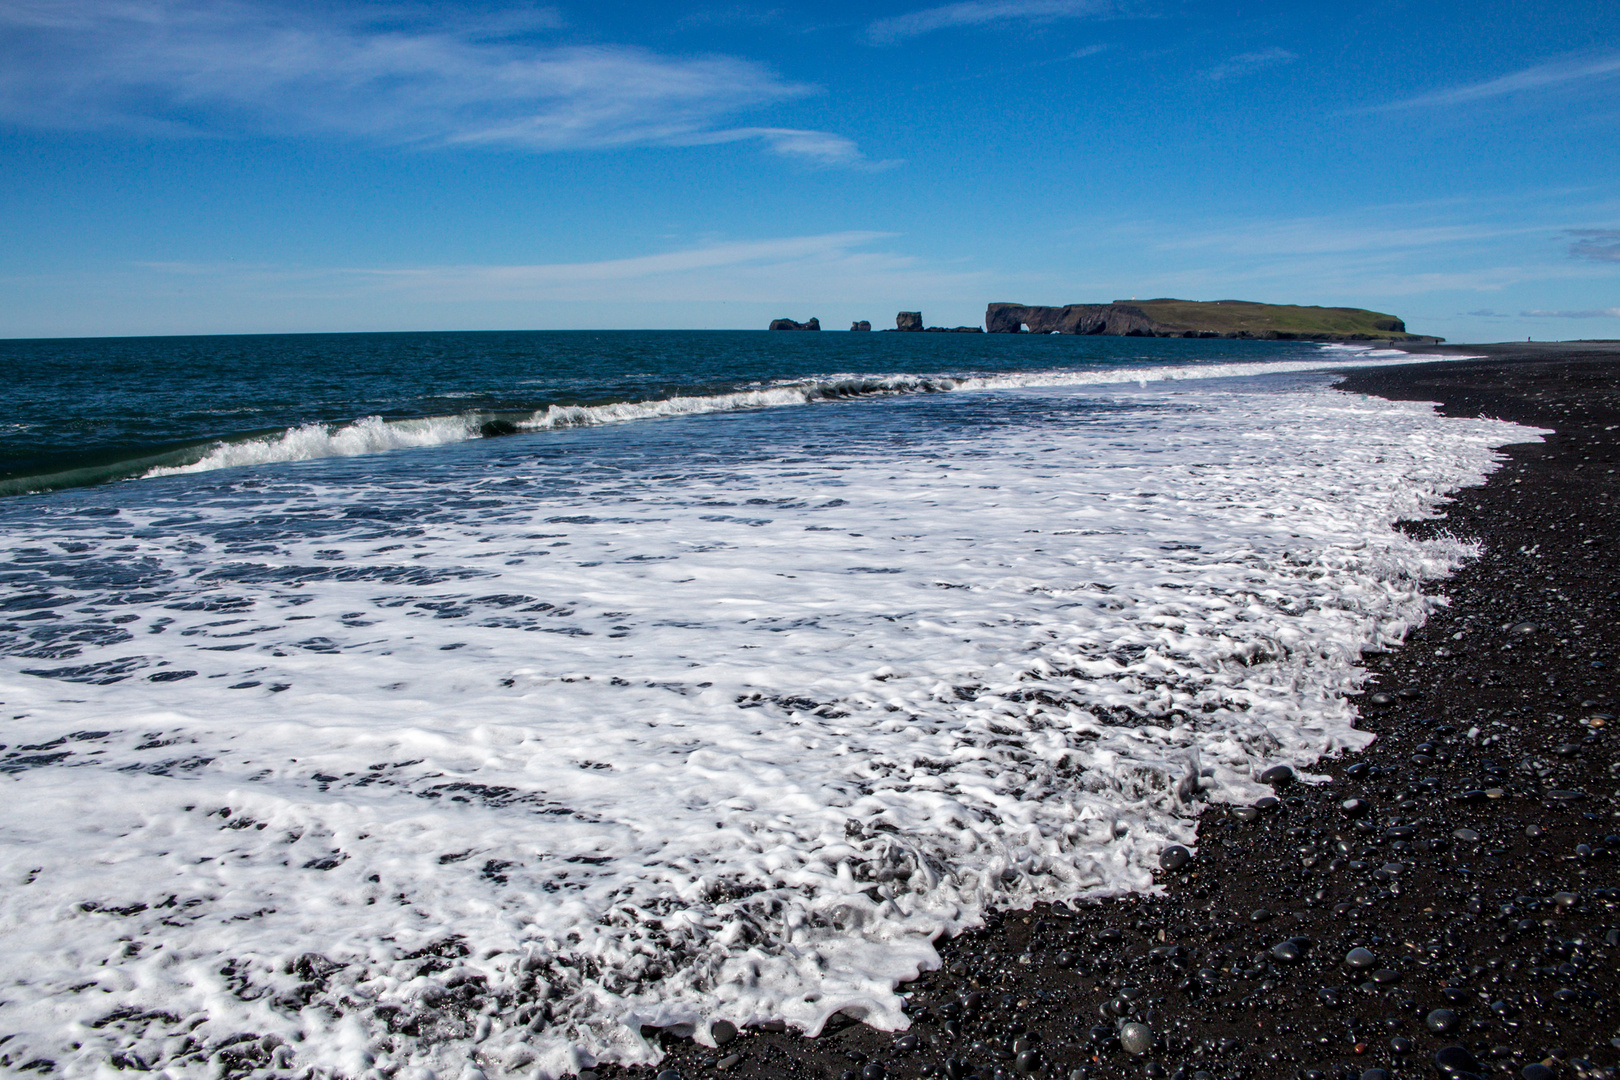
x: 723, y: 1031
x: 1537, y: 1071
x: 1287, y: 952
x: 1456, y: 1061
x: 1442, y: 1021
x: 1174, y: 857
x: 1277, y: 776
x: 1359, y: 958
x: 873, y: 1070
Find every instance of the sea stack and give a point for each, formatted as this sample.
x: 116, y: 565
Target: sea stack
x: 860, y: 324
x: 909, y: 321
x: 789, y: 324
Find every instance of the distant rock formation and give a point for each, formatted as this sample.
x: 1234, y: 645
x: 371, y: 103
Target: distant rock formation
x: 860, y: 325
x: 1201, y: 319
x: 910, y: 322
x: 789, y: 324
x: 1115, y: 320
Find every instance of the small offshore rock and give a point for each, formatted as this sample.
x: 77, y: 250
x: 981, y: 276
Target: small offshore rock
x: 1135, y: 1038
x: 1174, y: 857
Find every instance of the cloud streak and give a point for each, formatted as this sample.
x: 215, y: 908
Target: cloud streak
x: 979, y: 13
x: 230, y: 68
x: 1601, y: 313
x: 1567, y: 72
x: 1598, y: 245
x: 803, y: 269
x: 1243, y: 63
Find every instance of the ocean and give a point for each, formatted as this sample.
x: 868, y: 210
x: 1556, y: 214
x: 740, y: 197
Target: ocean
x: 446, y: 704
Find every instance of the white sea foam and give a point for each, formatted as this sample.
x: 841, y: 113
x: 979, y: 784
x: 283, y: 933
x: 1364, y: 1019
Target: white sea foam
x: 307, y: 442
x: 656, y: 737
x: 372, y: 434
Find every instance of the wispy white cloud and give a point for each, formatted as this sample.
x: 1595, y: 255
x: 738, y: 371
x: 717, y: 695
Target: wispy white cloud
x: 816, y: 147
x: 1601, y: 313
x: 978, y: 13
x: 1243, y: 63
x: 1599, y: 245
x: 828, y: 267
x: 1566, y: 72
x: 226, y: 67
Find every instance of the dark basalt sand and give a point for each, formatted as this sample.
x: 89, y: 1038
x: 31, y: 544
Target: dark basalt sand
x: 1471, y: 851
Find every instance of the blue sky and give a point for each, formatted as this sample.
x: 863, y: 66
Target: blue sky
x: 239, y: 166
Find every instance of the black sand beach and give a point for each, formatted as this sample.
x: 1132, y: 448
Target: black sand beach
x: 1445, y: 906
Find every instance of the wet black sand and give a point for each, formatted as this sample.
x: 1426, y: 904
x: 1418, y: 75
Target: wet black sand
x: 1471, y: 850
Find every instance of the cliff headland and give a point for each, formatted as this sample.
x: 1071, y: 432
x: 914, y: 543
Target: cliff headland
x: 1201, y: 319
x: 1167, y: 317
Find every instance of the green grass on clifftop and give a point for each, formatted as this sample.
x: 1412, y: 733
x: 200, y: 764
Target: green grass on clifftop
x: 1232, y: 316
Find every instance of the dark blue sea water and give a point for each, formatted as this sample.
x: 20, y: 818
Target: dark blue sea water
x: 87, y: 411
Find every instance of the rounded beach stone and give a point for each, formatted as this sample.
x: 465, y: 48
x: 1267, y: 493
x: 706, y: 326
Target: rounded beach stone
x: 1277, y: 776
x: 1174, y: 857
x: 1135, y: 1038
x: 723, y: 1032
x: 1359, y: 958
x: 1442, y: 1021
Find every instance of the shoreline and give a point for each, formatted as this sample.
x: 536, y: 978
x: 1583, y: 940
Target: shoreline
x: 1470, y: 849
